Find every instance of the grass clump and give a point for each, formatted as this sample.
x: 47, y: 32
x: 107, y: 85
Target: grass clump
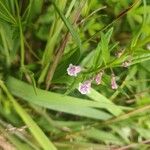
x: 74, y: 75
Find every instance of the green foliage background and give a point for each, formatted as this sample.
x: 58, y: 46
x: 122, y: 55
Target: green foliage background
x: 40, y: 106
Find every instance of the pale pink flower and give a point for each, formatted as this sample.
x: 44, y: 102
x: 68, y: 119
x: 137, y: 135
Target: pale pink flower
x: 126, y: 64
x: 84, y: 88
x: 120, y: 53
x: 73, y: 70
x: 98, y: 78
x: 113, y: 83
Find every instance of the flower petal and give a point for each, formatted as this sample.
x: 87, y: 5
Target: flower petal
x: 84, y: 88
x: 73, y: 70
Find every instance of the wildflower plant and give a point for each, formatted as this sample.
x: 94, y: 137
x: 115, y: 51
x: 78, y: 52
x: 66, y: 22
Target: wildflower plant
x: 101, y: 58
x: 74, y: 74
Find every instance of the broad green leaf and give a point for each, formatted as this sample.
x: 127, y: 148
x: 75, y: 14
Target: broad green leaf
x: 58, y: 102
x: 114, y: 109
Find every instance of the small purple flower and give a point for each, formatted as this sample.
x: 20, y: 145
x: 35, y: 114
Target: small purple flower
x: 73, y: 70
x: 84, y: 88
x: 98, y: 78
x: 113, y: 83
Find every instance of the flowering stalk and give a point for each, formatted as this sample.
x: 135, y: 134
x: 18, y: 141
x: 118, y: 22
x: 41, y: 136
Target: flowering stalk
x: 98, y: 77
x: 113, y: 82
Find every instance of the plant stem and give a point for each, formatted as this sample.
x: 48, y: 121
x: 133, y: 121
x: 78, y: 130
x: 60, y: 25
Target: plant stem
x: 21, y: 36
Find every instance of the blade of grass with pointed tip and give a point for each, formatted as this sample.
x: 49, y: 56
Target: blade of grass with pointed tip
x: 69, y: 26
x: 114, y: 109
x: 58, y: 102
x: 105, y: 39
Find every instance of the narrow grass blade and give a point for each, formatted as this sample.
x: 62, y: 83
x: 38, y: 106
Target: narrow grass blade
x: 99, y: 135
x: 36, y: 131
x: 6, y: 13
x: 33, y: 127
x: 69, y: 26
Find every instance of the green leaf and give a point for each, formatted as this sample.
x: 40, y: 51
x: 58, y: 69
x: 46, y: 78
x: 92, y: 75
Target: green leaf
x: 143, y: 132
x: 109, y: 34
x: 57, y: 102
x: 114, y: 109
x: 102, y: 136
x: 97, y: 61
x: 102, y: 52
x: 35, y: 130
x: 5, y: 45
x: 104, y: 47
x: 74, y: 84
x: 105, y: 39
x: 141, y: 57
x: 31, y: 76
x: 33, y: 127
x: 69, y: 26
x: 34, y: 7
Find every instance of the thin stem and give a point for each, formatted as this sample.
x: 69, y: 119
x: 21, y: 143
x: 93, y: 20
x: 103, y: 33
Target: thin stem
x: 5, y: 46
x: 127, y: 115
x: 91, y: 14
x: 52, y: 39
x: 133, y: 145
x: 22, y: 53
x: 30, y: 50
x: 56, y: 61
x: 61, y: 49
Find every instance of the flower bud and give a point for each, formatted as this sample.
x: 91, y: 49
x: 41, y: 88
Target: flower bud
x: 98, y: 78
x: 113, y: 83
